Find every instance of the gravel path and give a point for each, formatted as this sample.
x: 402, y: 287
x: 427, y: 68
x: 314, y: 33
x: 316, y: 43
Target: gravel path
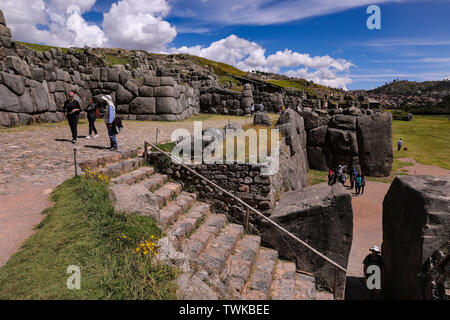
x: 36, y: 159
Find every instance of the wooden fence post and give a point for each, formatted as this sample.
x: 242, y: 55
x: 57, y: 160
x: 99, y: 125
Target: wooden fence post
x: 75, y: 161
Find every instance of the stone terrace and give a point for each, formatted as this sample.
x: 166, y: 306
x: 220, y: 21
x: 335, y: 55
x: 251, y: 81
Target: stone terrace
x: 43, y: 154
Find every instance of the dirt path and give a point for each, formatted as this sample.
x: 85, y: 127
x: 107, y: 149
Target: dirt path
x: 34, y: 160
x: 367, y: 225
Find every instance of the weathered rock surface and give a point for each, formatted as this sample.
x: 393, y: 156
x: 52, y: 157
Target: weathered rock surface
x: 262, y: 118
x: 416, y: 223
x: 322, y: 216
x: 133, y: 199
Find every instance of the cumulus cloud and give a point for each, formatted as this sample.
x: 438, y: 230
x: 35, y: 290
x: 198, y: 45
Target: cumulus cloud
x: 248, y: 55
x: 56, y: 22
x: 139, y: 24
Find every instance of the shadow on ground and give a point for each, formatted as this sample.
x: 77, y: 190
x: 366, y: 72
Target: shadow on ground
x: 355, y: 289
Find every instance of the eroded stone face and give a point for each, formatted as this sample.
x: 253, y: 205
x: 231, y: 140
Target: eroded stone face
x: 416, y: 223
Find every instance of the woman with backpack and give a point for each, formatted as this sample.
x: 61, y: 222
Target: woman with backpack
x: 110, y: 116
x: 358, y: 184
x: 92, y: 114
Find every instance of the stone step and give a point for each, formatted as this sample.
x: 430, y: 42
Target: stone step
x: 283, y: 285
x: 188, y: 222
x: 95, y: 163
x: 239, y: 267
x: 305, y: 287
x: 215, y: 257
x: 324, y: 295
x: 167, y: 193
x: 117, y: 169
x: 134, y: 176
x: 260, y: 281
x: 200, y: 239
x: 169, y: 213
x: 155, y: 181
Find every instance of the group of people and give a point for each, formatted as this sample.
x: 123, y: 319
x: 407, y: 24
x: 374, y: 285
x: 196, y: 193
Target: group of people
x: 357, y: 180
x: 72, y: 109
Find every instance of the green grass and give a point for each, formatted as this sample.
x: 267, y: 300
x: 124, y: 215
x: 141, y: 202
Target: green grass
x: 300, y: 84
x: 427, y: 139
x: 316, y: 177
x: 82, y: 229
x: 220, y: 69
x: 112, y: 60
x: 43, y: 48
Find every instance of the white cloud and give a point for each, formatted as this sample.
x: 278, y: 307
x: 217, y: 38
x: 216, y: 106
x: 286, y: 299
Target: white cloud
x: 263, y: 12
x: 248, y: 55
x: 139, y: 24
x: 60, y: 21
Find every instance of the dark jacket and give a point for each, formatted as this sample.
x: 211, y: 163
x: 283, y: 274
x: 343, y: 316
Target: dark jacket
x: 91, y: 110
x: 71, y: 105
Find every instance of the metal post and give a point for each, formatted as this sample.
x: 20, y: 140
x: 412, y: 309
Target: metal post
x: 157, y: 133
x: 145, y: 153
x: 335, y: 283
x: 247, y: 216
x: 75, y: 161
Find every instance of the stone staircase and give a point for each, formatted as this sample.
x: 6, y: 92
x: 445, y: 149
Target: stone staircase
x: 217, y: 258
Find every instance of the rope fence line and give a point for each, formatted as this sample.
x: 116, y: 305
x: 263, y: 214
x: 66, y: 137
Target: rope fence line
x: 249, y: 208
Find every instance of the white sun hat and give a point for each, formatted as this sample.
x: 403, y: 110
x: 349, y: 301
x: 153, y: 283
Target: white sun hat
x: 108, y: 99
x: 375, y: 248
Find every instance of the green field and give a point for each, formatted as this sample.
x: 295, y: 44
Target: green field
x: 427, y: 139
x: 82, y: 229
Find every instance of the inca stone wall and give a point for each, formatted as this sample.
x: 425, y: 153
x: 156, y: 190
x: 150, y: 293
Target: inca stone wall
x: 223, y: 101
x: 34, y: 85
x: 360, y: 140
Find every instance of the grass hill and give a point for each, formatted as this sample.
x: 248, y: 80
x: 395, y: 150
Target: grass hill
x: 405, y: 87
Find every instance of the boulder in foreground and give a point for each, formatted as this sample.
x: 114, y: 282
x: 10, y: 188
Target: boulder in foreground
x: 321, y: 216
x: 416, y: 224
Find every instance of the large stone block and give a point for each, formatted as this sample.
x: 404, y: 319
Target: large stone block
x: 166, y: 105
x: 342, y: 142
x: 322, y: 216
x: 5, y: 31
x: 165, y: 91
x: 143, y: 105
x: 317, y: 136
x: 123, y: 96
x: 146, y: 91
x: 8, y: 100
x: 17, y: 65
x: 375, y: 143
x: 13, y: 82
x: 166, y: 81
x: 151, y: 81
x: 2, y: 18
x: 416, y: 223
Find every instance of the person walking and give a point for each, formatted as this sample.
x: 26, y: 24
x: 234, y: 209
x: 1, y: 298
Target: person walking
x: 92, y: 115
x: 363, y: 183
x: 358, y: 184
x: 72, y: 109
x: 374, y: 259
x: 110, y: 115
x: 330, y: 176
x: 399, y: 144
x: 353, y: 175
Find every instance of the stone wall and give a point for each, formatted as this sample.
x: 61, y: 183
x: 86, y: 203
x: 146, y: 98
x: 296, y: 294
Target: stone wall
x: 223, y: 101
x: 34, y: 85
x: 359, y: 140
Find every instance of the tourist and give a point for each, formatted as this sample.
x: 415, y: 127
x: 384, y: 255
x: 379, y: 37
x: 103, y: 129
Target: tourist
x: 110, y: 115
x: 92, y: 115
x: 252, y: 109
x: 363, y: 183
x: 72, y: 109
x: 343, y: 179
x: 353, y: 174
x: 399, y: 144
x: 374, y: 259
x: 358, y: 184
x: 330, y: 176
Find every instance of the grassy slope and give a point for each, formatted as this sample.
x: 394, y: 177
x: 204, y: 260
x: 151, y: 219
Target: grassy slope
x: 82, y: 229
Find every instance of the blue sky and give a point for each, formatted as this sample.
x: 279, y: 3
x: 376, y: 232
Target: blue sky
x: 324, y: 41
